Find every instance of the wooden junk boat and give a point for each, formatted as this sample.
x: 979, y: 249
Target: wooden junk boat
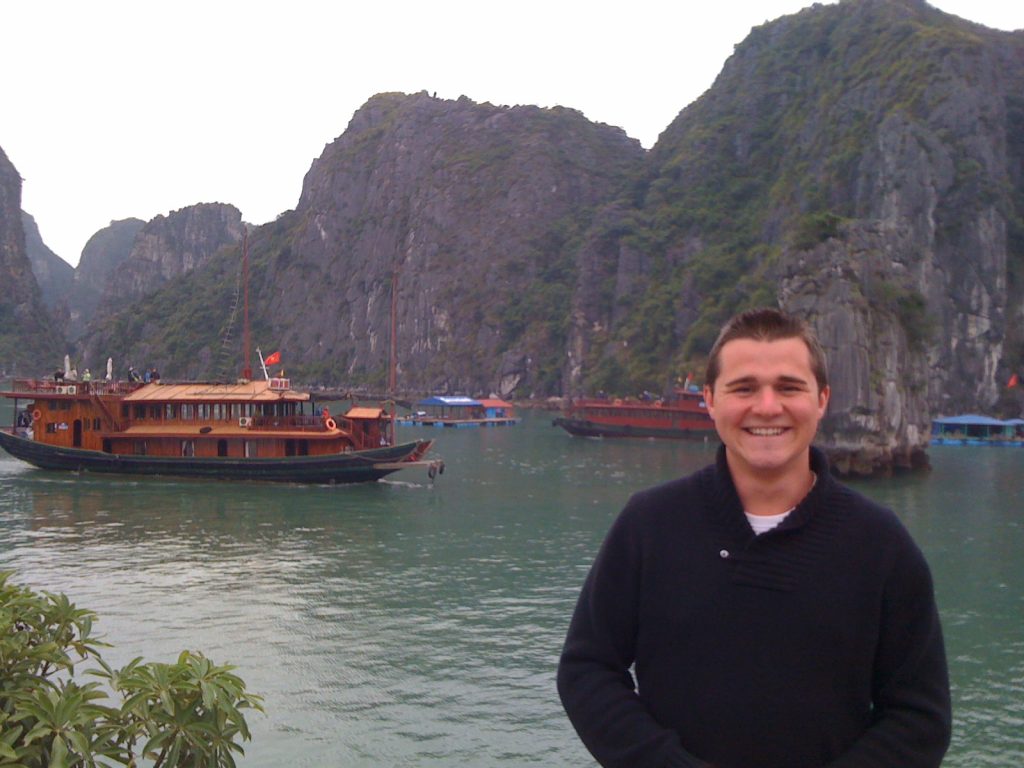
x: 681, y: 415
x: 249, y: 430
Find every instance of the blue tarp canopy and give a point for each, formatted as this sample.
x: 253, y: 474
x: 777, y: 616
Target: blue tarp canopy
x: 976, y: 420
x: 456, y: 401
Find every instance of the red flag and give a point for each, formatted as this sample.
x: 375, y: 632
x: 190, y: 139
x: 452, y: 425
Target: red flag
x: 1013, y: 382
x: 273, y: 359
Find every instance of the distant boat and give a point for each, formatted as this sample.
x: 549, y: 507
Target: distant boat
x: 250, y: 430
x: 682, y: 415
x: 460, y: 411
x: 973, y: 429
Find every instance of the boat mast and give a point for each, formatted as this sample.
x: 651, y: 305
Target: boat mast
x: 246, y: 357
x: 393, y: 363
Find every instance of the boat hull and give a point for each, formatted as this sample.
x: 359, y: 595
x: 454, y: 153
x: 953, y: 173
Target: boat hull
x: 587, y: 428
x: 351, y: 467
x: 421, y: 421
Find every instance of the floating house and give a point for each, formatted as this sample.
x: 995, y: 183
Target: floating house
x: 461, y: 411
x: 973, y: 429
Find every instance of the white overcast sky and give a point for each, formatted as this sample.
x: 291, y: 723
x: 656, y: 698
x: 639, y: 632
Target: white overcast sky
x: 134, y: 108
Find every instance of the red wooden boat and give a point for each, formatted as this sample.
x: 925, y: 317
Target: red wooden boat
x: 250, y: 430
x: 681, y: 415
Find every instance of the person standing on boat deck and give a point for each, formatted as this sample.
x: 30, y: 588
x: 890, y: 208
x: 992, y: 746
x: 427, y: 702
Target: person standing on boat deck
x: 772, y: 617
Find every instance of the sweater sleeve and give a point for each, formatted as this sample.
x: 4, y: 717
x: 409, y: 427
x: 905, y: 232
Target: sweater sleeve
x: 912, y: 715
x: 594, y: 679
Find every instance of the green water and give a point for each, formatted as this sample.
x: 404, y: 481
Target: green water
x: 407, y: 623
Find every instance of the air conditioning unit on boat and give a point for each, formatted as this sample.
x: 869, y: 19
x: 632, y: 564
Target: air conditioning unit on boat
x: 70, y: 389
x: 245, y: 421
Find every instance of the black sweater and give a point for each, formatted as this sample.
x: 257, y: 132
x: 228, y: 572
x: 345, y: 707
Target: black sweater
x: 815, y: 644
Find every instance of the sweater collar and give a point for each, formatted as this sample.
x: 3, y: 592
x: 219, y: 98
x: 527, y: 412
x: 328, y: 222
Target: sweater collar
x: 727, y: 501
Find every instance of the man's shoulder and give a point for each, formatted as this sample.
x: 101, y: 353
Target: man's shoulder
x: 671, y: 495
x: 875, y: 520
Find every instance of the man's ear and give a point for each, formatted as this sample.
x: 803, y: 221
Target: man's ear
x: 709, y: 401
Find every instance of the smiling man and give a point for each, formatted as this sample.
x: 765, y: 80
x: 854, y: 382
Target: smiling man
x: 758, y: 613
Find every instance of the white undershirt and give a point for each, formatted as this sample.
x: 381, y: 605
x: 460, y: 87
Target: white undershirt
x: 764, y: 523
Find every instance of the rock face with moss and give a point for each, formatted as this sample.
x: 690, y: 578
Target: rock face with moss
x: 29, y: 344
x: 54, y: 275
x: 471, y: 213
x: 861, y: 163
x: 170, y: 246
x: 164, y: 250
x: 102, y: 255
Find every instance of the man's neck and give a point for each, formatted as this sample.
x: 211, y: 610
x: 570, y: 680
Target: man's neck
x: 774, y: 492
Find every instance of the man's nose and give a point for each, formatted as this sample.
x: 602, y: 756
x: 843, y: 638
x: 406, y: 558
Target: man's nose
x: 768, y: 401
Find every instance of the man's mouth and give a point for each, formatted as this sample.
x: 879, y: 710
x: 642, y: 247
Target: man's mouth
x: 766, y: 431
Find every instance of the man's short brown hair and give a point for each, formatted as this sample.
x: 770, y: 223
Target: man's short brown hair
x: 767, y: 324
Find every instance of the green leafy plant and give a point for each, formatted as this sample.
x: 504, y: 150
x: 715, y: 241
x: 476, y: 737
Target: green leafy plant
x: 189, y: 713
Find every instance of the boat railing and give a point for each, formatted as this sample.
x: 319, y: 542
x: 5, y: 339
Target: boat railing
x: 296, y: 423
x: 49, y: 386
x: 300, y: 422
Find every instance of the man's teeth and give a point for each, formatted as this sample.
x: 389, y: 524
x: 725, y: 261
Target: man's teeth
x: 766, y: 431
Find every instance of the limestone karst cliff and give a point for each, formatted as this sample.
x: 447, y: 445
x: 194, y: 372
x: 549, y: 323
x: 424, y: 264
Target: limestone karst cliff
x: 101, y: 257
x: 860, y: 163
x: 54, y: 275
x: 165, y: 249
x: 171, y: 246
x: 29, y: 343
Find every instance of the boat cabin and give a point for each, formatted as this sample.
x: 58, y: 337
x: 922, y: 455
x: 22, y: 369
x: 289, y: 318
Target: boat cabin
x: 462, y: 411
x: 247, y: 419
x: 973, y: 429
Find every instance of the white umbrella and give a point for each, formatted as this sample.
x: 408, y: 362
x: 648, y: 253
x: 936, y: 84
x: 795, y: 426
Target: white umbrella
x: 110, y: 368
x: 67, y: 364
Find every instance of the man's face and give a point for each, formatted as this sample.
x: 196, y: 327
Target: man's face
x: 766, y: 406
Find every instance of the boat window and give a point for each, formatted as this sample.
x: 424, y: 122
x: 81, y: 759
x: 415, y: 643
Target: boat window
x: 140, y: 412
x: 251, y: 450
x: 140, y: 448
x: 154, y: 412
x: 170, y: 411
x: 51, y: 428
x: 188, y: 448
x: 96, y: 424
x: 125, y: 410
x: 51, y: 405
x: 188, y: 412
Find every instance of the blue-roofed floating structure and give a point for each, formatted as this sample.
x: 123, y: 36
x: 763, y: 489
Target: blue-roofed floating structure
x: 461, y: 411
x: 973, y: 429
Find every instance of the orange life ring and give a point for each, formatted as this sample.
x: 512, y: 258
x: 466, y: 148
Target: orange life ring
x: 331, y: 424
x: 37, y: 415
